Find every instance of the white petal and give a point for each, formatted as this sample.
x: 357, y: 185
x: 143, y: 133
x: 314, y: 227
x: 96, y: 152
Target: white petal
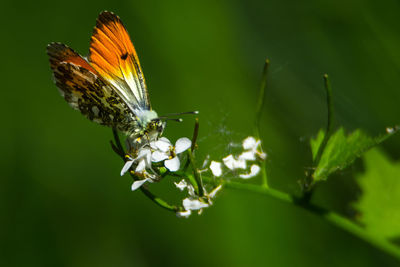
x: 164, y: 139
x: 163, y: 144
x: 233, y: 164
x: 193, y: 204
x: 240, y: 164
x: 148, y: 158
x: 215, y: 191
x: 254, y: 170
x: 158, y: 156
x: 249, y: 143
x: 184, y: 214
x: 182, y: 144
x: 137, y: 184
x: 229, y: 161
x: 248, y: 155
x: 143, y: 152
x: 153, y: 145
x: 126, y: 167
x: 181, y: 185
x: 141, y: 166
x: 172, y: 164
x: 216, y: 168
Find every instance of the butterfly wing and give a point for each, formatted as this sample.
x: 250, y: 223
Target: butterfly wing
x: 113, y: 56
x: 84, y: 89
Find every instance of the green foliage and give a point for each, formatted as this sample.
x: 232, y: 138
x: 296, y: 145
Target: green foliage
x: 316, y: 143
x: 341, y: 150
x: 379, y: 203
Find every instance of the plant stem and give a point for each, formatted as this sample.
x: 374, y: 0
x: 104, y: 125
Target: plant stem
x: 159, y: 201
x: 261, y: 98
x: 195, y: 133
x: 194, y: 140
x: 197, y: 178
x: 330, y: 120
x: 310, y: 183
x: 260, y: 105
x: 332, y: 217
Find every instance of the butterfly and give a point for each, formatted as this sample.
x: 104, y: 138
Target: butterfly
x: 108, y: 87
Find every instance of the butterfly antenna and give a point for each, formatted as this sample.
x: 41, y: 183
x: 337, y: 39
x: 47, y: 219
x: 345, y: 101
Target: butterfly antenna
x: 167, y: 116
x: 182, y: 113
x: 172, y: 119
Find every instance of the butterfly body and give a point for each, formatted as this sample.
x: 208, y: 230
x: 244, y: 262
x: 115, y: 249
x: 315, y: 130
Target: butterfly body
x: 108, y: 87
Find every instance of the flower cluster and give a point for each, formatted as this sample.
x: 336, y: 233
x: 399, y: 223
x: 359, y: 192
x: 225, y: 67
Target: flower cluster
x: 252, y: 152
x: 193, y: 202
x: 157, y: 151
x: 149, y: 161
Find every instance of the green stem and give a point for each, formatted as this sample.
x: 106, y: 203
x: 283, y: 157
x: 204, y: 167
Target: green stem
x: 330, y: 124
x: 195, y: 133
x: 329, y: 101
x: 197, y: 178
x: 261, y: 99
x: 310, y: 183
x: 194, y: 140
x: 259, y: 110
x: 332, y: 217
x: 159, y: 201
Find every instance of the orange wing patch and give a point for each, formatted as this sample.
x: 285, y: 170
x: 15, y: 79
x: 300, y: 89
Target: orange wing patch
x: 113, y: 56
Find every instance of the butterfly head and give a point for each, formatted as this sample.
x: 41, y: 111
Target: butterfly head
x: 149, y: 126
x: 155, y: 125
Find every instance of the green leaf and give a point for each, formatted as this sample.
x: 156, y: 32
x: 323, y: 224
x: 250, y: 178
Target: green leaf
x: 341, y: 150
x: 316, y: 143
x: 379, y: 204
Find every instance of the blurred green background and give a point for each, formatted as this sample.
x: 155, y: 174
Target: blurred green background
x: 62, y: 200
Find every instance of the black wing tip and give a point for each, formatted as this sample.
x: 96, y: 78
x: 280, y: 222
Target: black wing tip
x: 106, y: 17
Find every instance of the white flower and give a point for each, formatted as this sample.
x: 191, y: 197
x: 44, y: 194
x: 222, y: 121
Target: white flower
x: 181, y: 185
x: 390, y: 130
x: 127, y: 166
x: 193, y: 204
x: 249, y: 143
x: 184, y: 214
x: 248, y: 155
x: 164, y: 150
x: 233, y: 163
x: 139, y: 183
x: 252, y: 149
x: 193, y: 201
x: 216, y: 168
x: 254, y: 170
x: 143, y: 159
